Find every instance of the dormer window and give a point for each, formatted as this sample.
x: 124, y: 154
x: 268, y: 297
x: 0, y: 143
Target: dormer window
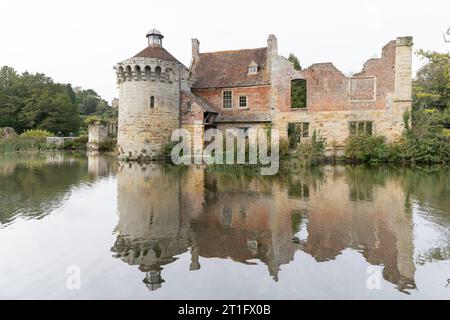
x: 253, y: 68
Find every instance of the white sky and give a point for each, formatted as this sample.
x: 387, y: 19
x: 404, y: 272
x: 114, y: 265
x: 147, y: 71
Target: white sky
x: 80, y: 41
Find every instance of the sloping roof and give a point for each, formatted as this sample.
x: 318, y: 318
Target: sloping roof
x: 246, y: 117
x: 224, y: 69
x: 156, y: 52
x: 199, y: 100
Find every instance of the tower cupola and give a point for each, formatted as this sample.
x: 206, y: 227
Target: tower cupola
x: 155, y: 38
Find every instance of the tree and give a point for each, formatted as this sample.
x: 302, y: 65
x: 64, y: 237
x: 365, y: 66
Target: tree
x: 90, y: 103
x: 29, y: 101
x: 431, y: 88
x: 292, y: 58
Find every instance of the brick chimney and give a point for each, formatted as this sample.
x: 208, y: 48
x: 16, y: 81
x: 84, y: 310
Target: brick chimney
x: 195, y: 48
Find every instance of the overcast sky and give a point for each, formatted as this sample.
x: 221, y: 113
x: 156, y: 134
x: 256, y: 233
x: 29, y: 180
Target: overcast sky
x: 80, y: 41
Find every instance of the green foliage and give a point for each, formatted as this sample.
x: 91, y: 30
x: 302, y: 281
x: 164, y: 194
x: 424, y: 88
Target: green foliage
x: 20, y: 144
x: 34, y: 101
x: 431, y: 88
x: 90, y: 103
x: 430, y: 147
x: 166, y: 150
x: 305, y: 154
x: 366, y: 148
x: 108, y: 146
x: 298, y: 94
x: 296, y: 63
x: 427, y: 141
x: 94, y: 119
x: 78, y: 143
x: 36, y: 133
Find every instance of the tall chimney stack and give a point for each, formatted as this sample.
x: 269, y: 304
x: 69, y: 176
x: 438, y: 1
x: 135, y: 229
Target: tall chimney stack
x: 195, y: 48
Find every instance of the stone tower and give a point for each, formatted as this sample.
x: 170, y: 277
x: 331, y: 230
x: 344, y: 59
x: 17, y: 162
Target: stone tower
x: 149, y: 94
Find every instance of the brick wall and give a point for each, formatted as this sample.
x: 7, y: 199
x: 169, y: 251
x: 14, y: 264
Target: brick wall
x: 258, y: 99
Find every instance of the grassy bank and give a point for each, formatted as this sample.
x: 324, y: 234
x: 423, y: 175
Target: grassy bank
x: 38, y: 144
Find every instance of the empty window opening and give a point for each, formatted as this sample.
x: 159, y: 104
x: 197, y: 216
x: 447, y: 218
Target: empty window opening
x: 129, y: 73
x: 137, y: 71
x: 148, y: 72
x: 152, y: 102
x: 158, y: 72
x: 298, y: 94
x: 121, y: 74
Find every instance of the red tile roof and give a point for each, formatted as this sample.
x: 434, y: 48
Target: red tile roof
x: 156, y: 52
x: 224, y: 69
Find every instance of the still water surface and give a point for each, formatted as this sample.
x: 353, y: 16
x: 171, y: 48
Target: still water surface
x: 160, y: 232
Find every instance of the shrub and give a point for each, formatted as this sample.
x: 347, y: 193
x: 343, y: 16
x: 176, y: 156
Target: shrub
x: 366, y: 148
x: 108, y: 146
x: 36, y: 133
x: 93, y: 119
x: 431, y: 147
x: 78, y: 143
x: 305, y: 154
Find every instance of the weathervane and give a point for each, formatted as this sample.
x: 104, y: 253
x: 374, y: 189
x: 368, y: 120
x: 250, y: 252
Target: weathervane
x: 447, y: 39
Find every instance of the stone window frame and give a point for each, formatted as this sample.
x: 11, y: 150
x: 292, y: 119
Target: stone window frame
x: 246, y: 102
x: 361, y: 125
x: 305, y: 129
x: 230, y: 99
x: 362, y: 100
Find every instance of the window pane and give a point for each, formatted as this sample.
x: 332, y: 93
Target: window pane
x: 227, y: 99
x: 243, y: 101
x: 369, y: 128
x: 361, y: 126
x: 352, y: 128
x: 305, y: 130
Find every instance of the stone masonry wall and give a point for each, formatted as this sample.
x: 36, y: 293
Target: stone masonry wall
x: 143, y: 130
x: 333, y: 100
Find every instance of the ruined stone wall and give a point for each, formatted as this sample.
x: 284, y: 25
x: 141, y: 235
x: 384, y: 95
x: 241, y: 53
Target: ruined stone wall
x: 381, y: 93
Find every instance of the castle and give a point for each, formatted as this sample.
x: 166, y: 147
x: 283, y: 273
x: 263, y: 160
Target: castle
x: 258, y: 88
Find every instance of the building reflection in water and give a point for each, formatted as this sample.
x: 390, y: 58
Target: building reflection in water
x: 166, y: 211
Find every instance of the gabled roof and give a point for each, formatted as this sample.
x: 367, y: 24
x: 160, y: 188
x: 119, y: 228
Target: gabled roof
x: 156, y: 52
x: 199, y: 101
x: 224, y: 69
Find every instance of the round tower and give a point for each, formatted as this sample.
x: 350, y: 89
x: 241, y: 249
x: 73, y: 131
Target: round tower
x: 149, y: 99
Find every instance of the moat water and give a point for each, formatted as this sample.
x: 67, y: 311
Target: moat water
x: 81, y: 227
